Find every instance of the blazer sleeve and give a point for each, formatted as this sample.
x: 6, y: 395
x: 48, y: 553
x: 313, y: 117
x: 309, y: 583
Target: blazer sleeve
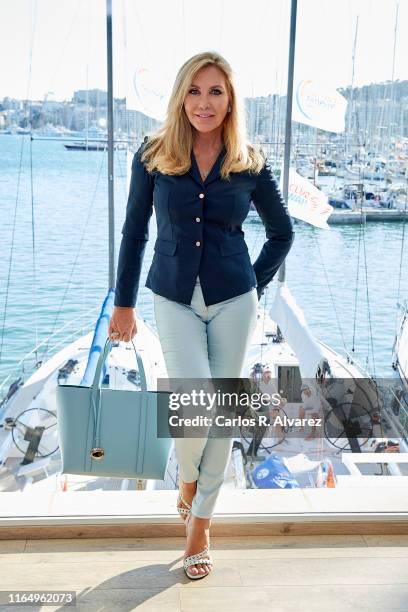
x: 135, y: 233
x: 278, y: 225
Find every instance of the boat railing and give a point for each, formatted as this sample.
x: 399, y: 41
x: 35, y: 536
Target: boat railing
x: 22, y: 369
x: 353, y: 460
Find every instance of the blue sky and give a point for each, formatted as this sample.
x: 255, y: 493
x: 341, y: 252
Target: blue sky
x: 68, y: 44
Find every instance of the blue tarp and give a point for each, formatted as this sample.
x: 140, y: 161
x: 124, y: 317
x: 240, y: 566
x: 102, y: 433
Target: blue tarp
x: 273, y: 474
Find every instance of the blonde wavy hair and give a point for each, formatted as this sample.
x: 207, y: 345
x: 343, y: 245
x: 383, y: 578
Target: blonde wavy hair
x: 168, y: 150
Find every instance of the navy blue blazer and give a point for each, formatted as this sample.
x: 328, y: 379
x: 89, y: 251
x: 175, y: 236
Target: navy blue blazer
x: 199, y: 232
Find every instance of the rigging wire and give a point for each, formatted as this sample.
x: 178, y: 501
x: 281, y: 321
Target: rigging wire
x: 34, y: 275
x: 356, y: 289
x: 361, y: 234
x: 406, y: 190
x: 316, y: 241
x: 34, y: 260
x: 88, y: 40
x: 314, y: 235
x: 401, y: 259
x: 61, y: 54
x: 362, y: 239
x: 13, y: 233
x: 370, y: 329
x: 126, y: 67
x: 84, y: 231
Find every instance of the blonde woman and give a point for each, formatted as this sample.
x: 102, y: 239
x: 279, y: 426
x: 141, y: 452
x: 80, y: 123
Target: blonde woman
x: 201, y: 174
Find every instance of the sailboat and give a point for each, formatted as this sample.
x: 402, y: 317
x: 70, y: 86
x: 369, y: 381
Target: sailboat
x: 29, y: 452
x: 285, y: 342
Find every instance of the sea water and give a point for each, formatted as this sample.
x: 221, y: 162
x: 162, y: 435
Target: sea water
x: 54, y: 258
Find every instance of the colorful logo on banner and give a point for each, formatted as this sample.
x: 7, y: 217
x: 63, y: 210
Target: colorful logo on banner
x: 146, y: 94
x: 316, y: 105
x: 306, y: 202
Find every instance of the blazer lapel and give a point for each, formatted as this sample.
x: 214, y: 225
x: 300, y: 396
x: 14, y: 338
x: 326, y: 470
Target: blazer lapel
x: 214, y: 172
x: 194, y: 171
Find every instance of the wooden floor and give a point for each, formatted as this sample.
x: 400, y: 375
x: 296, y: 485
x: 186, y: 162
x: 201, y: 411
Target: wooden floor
x: 314, y: 573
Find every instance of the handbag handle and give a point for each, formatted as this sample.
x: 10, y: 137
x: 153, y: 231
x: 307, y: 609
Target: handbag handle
x: 102, y: 359
x: 96, y: 451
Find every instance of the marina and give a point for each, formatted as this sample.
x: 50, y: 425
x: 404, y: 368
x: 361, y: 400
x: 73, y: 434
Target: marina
x: 28, y: 398
x: 28, y: 401
x: 313, y: 506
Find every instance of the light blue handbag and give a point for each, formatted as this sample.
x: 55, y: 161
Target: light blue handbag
x: 109, y: 432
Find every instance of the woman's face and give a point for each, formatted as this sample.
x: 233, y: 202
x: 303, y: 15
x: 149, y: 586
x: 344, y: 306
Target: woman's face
x: 206, y: 102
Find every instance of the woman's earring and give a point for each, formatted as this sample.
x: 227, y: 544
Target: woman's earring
x: 229, y: 109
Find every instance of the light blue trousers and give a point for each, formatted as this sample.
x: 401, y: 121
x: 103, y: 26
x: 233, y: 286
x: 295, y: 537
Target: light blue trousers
x: 200, y: 341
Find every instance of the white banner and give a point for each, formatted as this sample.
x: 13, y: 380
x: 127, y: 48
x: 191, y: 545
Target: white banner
x: 146, y: 91
x: 321, y: 107
x: 150, y: 63
x: 307, y: 202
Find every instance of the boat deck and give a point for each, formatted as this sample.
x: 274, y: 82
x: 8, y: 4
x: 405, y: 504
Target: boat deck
x: 339, y: 573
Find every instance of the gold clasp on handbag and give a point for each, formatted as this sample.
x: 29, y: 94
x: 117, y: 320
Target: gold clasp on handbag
x: 97, y: 453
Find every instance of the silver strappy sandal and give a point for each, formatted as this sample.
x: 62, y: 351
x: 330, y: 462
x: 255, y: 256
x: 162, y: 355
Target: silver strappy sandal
x: 183, y: 512
x: 197, y: 558
x: 193, y: 560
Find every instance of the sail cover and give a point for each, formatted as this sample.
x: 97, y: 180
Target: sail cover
x: 293, y: 325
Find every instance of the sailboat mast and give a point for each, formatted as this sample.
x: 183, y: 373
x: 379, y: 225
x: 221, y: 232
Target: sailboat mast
x: 351, y: 98
x: 112, y: 280
x: 392, y: 123
x: 288, y: 123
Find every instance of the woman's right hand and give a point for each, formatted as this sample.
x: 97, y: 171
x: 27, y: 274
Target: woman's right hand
x: 122, y: 322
